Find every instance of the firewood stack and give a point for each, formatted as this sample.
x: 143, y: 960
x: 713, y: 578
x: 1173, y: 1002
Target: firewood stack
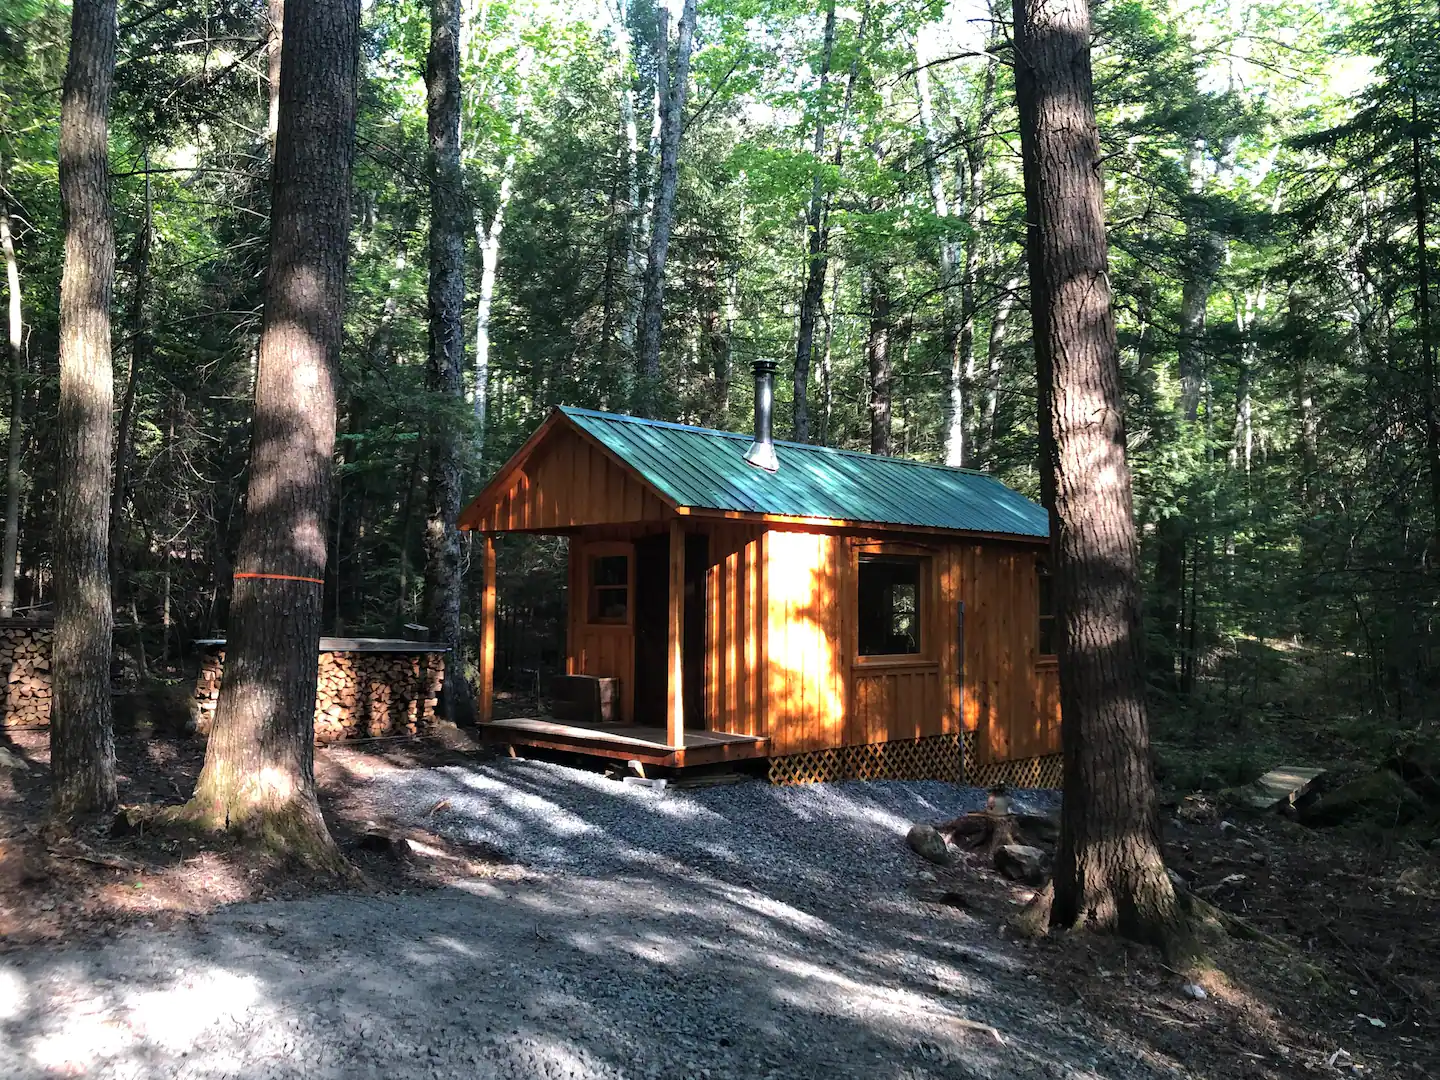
x: 358, y: 694
x: 25, y: 662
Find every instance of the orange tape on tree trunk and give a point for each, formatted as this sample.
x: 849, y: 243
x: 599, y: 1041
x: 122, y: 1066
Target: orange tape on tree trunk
x: 281, y: 577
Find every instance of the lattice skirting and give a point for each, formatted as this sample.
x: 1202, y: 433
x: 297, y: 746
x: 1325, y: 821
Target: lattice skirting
x: 940, y: 757
x: 934, y: 758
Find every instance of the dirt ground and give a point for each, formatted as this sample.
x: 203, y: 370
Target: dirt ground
x: 1344, y: 977
x: 95, y: 885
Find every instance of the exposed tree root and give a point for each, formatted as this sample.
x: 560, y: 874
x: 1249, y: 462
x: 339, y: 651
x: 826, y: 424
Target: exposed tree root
x: 290, y: 831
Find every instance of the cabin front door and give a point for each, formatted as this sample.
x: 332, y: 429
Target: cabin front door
x: 652, y: 628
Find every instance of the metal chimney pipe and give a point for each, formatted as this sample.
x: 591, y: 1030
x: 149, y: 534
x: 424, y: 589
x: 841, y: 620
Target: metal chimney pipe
x: 762, y: 451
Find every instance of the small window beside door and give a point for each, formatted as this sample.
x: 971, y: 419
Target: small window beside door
x: 890, y: 606
x: 609, y: 588
x: 1045, y: 640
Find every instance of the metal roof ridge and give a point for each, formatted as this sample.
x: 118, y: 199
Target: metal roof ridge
x: 573, y: 410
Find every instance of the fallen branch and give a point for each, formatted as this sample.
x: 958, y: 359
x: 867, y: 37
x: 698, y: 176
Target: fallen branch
x: 96, y: 858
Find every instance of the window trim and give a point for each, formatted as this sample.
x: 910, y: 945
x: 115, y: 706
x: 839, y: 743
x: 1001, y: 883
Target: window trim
x: 1043, y: 571
x: 600, y: 550
x: 925, y: 658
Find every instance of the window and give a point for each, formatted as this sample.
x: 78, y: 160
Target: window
x: 609, y: 588
x: 889, y: 605
x: 1045, y: 635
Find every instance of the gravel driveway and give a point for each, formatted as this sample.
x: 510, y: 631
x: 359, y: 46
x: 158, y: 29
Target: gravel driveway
x: 744, y: 931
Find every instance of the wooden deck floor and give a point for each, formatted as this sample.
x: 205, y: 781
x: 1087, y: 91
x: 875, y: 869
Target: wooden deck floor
x: 628, y: 741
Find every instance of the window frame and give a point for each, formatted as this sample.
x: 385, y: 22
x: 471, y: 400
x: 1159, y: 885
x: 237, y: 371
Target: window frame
x: 1043, y: 573
x: 605, y: 550
x: 925, y: 604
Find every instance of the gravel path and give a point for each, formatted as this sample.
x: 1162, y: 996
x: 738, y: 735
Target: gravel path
x: 731, y: 932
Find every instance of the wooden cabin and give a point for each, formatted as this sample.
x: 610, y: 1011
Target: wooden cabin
x: 844, y: 615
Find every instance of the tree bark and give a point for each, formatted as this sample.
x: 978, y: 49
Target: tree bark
x: 487, y: 238
x: 259, y: 778
x: 1173, y: 530
x: 1418, y: 155
x: 995, y: 368
x: 16, y: 328
x: 274, y: 38
x: 663, y: 220
x: 448, y: 226
x: 877, y: 351
x: 949, y: 266
x: 1109, y: 872
x: 827, y: 383
x: 815, y: 232
x: 139, y: 355
x: 634, y: 239
x: 82, y: 744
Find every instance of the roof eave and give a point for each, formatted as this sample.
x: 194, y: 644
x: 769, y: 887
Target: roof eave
x: 854, y: 524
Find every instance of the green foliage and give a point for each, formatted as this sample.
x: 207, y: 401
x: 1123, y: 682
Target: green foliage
x: 1259, y: 157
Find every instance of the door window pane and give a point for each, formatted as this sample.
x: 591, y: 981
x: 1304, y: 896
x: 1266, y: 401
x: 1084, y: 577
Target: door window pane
x: 609, y: 588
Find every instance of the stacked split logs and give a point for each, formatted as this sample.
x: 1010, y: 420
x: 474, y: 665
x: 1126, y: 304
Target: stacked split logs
x: 25, y: 665
x: 358, y: 694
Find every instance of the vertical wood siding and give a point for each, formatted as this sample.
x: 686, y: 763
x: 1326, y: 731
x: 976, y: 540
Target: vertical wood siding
x: 568, y: 482
x: 780, y: 643
x: 805, y: 660
x: 735, y: 620
x: 820, y: 694
x: 1011, y: 696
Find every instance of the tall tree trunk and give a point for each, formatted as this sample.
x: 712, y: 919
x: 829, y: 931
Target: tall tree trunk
x: 1173, y: 529
x: 663, y: 220
x: 1109, y: 873
x: 487, y: 238
x: 16, y: 328
x: 274, y: 38
x: 633, y: 236
x: 975, y: 164
x: 82, y: 744
x: 995, y: 368
x: 877, y: 351
x: 1298, y: 331
x: 139, y: 355
x: 443, y: 372
x: 1242, y: 443
x: 1418, y: 154
x: 610, y: 285
x: 949, y: 265
x: 259, y: 777
x: 815, y: 230
x: 827, y: 387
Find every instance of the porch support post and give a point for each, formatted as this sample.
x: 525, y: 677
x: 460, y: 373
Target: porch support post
x: 487, y: 629
x: 675, y: 700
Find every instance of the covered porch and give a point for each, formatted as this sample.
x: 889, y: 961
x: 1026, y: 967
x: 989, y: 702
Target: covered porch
x: 628, y: 742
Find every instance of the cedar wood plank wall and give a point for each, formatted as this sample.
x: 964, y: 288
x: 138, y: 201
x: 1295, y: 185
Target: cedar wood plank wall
x: 780, y: 637
x: 820, y: 696
x: 569, y: 482
x: 780, y: 643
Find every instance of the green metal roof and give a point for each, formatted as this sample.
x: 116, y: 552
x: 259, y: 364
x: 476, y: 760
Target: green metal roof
x: 702, y: 468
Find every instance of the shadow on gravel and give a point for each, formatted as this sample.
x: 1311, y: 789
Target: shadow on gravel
x: 725, y: 933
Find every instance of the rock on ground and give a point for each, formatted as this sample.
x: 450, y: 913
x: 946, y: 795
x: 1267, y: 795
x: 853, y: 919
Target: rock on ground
x: 744, y: 931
